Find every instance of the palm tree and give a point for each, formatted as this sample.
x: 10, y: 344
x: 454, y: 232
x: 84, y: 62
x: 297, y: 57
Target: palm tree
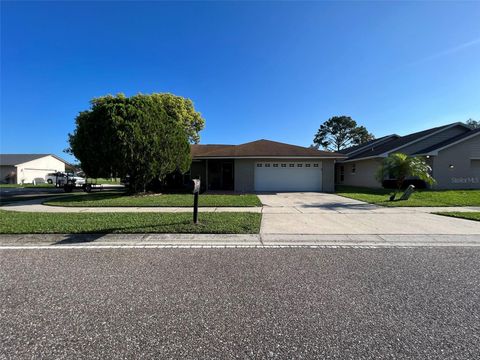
x: 400, y: 166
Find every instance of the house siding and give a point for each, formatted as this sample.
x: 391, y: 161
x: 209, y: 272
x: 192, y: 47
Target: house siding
x: 38, y: 169
x: 364, y: 175
x: 465, y: 173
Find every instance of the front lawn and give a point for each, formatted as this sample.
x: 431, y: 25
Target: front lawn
x: 418, y: 198
x: 27, y: 186
x: 12, y: 222
x: 463, y: 215
x: 104, y: 199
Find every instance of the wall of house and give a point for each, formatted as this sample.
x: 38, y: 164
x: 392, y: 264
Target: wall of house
x: 38, y: 169
x: 364, y: 174
x: 434, y: 140
x: 465, y: 158
x: 5, y: 171
x: 244, y: 175
x: 328, y: 176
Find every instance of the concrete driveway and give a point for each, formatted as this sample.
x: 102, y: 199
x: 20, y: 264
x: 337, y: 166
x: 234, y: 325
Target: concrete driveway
x: 321, y: 213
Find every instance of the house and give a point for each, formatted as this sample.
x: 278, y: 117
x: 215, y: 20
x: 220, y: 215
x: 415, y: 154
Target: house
x: 263, y: 165
x: 25, y: 168
x: 453, y: 152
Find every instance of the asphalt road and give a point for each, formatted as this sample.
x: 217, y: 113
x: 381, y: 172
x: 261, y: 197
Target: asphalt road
x: 421, y: 303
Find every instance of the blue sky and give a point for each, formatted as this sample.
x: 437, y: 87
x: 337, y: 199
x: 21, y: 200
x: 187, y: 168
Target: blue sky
x: 272, y: 70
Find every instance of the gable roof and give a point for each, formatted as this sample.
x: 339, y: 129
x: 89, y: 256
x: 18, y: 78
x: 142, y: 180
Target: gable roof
x: 352, y: 149
x: 402, y: 141
x: 259, y: 148
x: 16, y: 159
x: 449, y: 142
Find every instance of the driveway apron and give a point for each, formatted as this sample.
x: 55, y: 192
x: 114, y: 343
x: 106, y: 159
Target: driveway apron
x: 321, y: 213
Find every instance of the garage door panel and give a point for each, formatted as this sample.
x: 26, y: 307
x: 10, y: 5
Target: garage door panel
x: 283, y: 176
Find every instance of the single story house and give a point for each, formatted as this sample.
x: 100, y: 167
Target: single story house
x: 453, y: 152
x: 25, y: 168
x: 263, y: 165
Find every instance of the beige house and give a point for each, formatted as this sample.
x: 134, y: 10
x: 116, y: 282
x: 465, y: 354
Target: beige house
x: 27, y: 168
x: 263, y: 165
x: 453, y: 152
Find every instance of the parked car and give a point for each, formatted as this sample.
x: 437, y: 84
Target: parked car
x: 60, y: 178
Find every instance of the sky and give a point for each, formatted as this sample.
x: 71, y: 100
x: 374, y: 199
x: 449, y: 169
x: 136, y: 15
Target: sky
x: 271, y: 70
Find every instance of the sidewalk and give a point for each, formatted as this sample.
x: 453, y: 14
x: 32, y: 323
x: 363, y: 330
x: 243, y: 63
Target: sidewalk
x: 37, y: 206
x: 114, y: 241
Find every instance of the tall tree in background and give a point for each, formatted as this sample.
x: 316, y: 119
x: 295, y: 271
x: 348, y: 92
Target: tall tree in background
x: 340, y: 132
x: 473, y: 123
x: 139, y: 136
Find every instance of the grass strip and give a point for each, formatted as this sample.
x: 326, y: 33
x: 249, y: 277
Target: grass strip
x: 12, y: 222
x: 463, y: 215
x: 419, y: 197
x: 110, y: 199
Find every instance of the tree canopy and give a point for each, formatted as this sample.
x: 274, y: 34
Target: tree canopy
x: 340, y: 132
x: 473, y: 123
x: 143, y: 136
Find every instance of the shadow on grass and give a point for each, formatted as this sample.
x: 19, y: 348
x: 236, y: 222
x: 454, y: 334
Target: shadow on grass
x: 79, y: 238
x: 80, y: 198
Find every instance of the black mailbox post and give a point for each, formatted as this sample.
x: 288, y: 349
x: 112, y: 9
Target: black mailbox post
x: 196, y: 190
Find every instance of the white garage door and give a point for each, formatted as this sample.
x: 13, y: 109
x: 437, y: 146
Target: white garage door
x: 288, y: 176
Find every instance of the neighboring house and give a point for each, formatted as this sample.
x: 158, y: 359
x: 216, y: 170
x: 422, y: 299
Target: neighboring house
x: 25, y: 168
x: 263, y: 165
x: 453, y: 152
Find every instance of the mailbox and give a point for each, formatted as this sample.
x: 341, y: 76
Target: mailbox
x: 196, y: 190
x: 196, y: 186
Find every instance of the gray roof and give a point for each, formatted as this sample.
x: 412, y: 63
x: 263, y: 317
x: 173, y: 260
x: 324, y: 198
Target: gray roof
x: 395, y: 143
x: 452, y: 140
x: 359, y: 147
x: 16, y: 159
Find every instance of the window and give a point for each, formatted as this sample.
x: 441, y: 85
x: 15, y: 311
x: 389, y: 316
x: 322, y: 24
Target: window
x: 291, y: 165
x: 342, y: 173
x: 267, y: 165
x: 299, y: 165
x: 259, y: 165
x: 354, y: 168
x: 307, y: 165
x: 284, y: 165
x: 275, y: 165
x: 315, y: 165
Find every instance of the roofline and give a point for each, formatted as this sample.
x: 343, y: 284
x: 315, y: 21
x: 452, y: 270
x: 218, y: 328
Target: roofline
x: 435, y: 152
x: 426, y: 136
x: 365, y: 158
x: 385, y: 154
x: 53, y: 155
x: 268, y: 157
x: 377, y: 141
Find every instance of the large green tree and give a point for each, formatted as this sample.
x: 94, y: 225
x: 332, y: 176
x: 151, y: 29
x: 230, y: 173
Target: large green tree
x: 139, y: 136
x: 399, y: 166
x: 340, y: 132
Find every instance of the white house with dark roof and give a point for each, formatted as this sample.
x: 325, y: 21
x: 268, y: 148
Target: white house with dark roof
x: 25, y: 168
x: 453, y: 152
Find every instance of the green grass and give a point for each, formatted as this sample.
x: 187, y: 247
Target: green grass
x: 463, y: 215
x: 104, y: 199
x: 418, y: 198
x: 29, y: 186
x: 12, y: 222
